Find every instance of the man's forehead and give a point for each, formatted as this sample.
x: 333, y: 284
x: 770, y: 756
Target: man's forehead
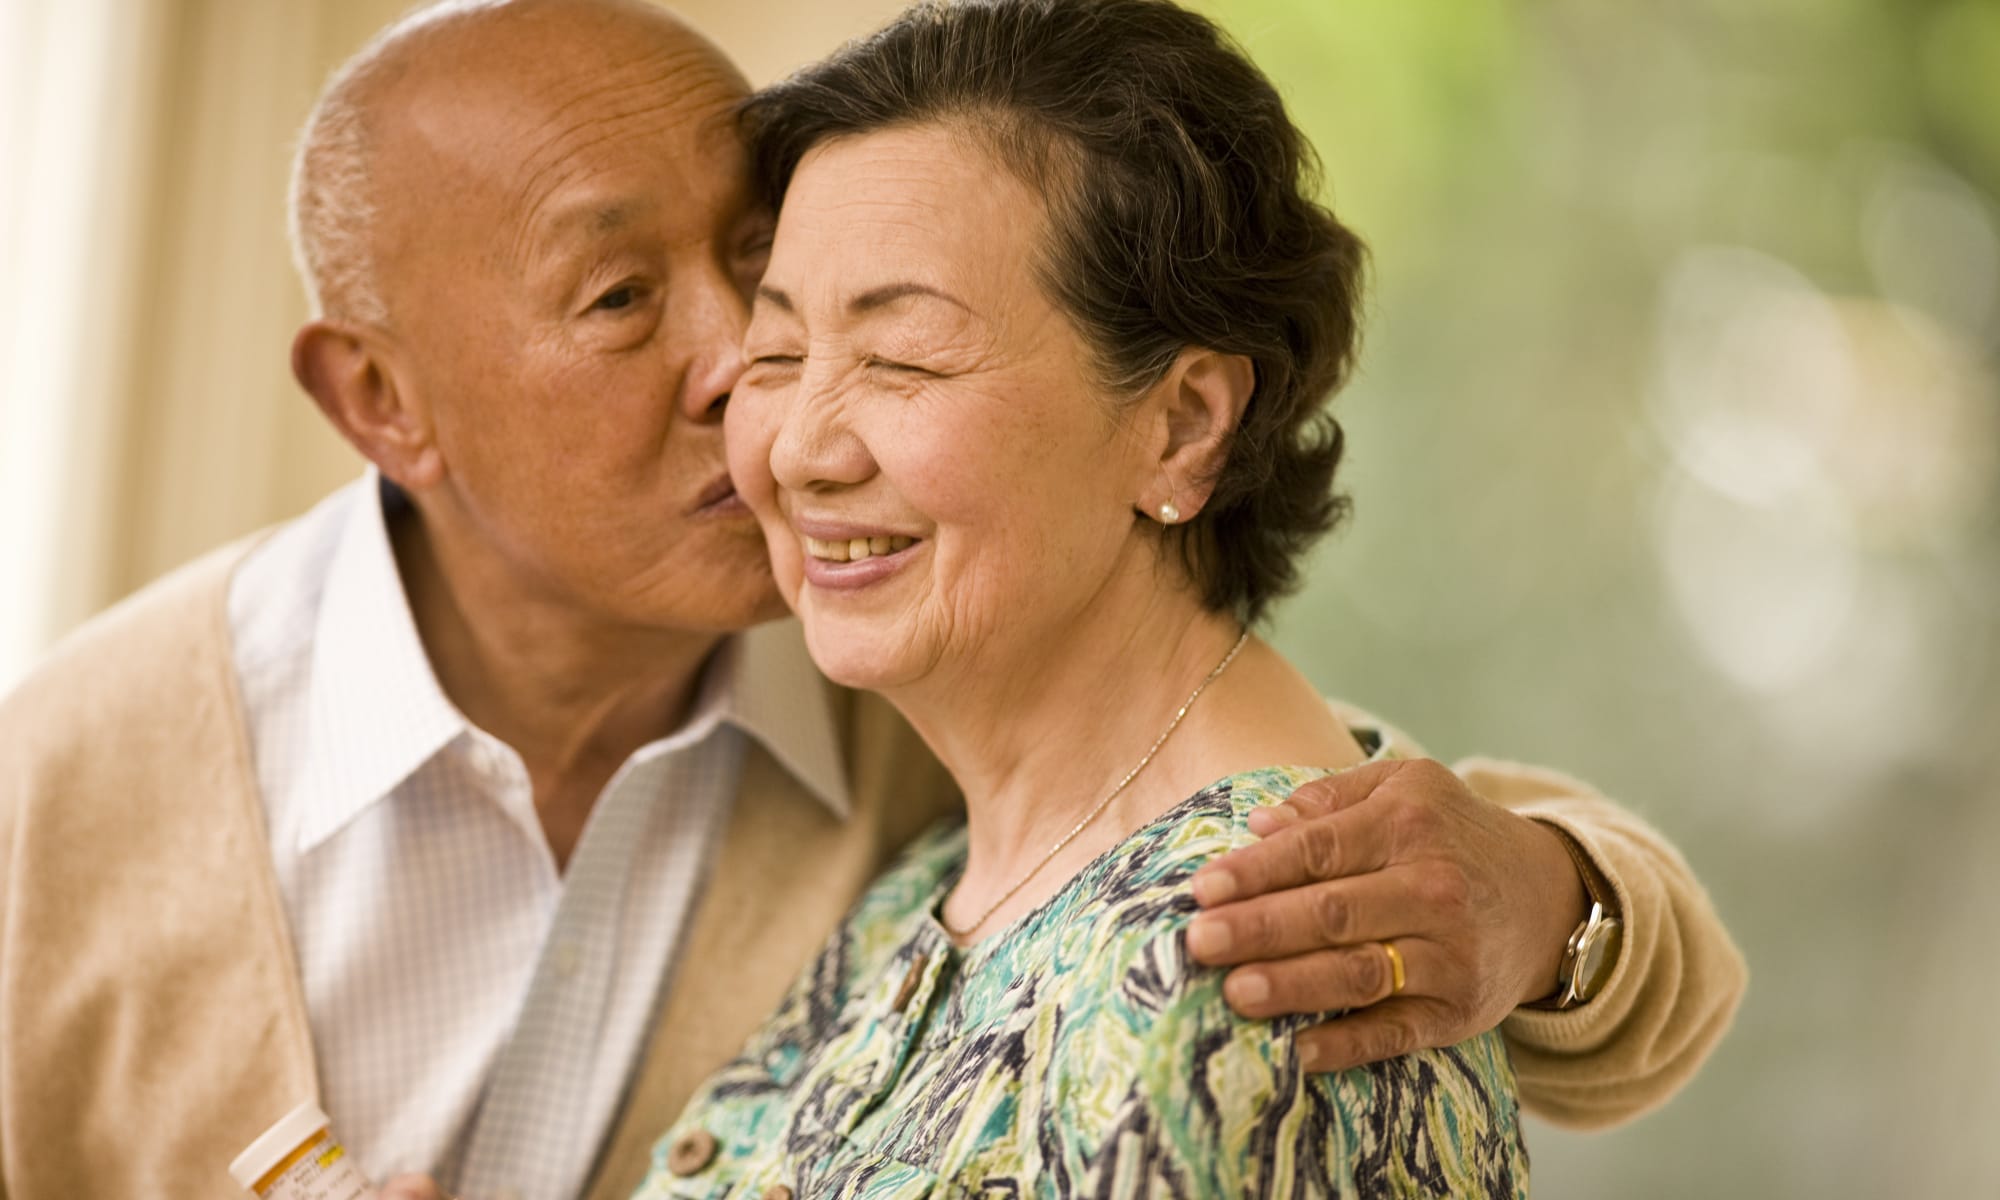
x: 547, y: 124
x: 536, y: 149
x: 528, y: 73
x: 670, y: 84
x: 602, y: 188
x: 552, y: 37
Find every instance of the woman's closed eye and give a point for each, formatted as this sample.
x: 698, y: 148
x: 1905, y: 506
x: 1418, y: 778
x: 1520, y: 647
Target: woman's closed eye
x: 877, y: 363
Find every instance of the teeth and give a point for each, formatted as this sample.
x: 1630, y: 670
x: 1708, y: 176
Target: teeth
x: 856, y: 549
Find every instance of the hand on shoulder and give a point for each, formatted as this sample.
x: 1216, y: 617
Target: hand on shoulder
x: 1393, y: 872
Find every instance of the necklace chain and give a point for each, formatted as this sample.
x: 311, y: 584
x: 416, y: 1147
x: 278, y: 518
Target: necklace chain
x: 961, y: 930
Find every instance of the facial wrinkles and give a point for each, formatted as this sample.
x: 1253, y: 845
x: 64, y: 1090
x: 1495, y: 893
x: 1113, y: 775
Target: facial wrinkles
x: 918, y: 331
x: 861, y: 216
x: 676, y: 97
x: 986, y: 526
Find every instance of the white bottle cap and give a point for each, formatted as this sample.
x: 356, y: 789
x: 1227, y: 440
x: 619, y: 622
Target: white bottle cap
x: 279, y: 1140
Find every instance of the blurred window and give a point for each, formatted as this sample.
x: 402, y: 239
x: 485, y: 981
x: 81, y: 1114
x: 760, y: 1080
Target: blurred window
x: 72, y: 81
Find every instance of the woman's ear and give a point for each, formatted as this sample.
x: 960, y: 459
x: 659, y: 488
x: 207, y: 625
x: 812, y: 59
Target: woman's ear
x: 349, y: 373
x: 1201, y: 402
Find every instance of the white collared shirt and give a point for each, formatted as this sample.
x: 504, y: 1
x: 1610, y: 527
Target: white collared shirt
x: 476, y: 1014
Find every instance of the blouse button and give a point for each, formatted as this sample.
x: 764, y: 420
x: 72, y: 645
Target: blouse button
x: 910, y: 981
x: 691, y: 1152
x: 777, y: 1191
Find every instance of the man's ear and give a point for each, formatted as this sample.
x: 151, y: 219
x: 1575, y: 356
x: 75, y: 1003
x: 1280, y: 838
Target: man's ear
x: 348, y: 373
x: 1201, y: 401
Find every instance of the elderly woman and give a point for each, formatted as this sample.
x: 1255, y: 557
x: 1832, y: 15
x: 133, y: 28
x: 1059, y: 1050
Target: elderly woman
x: 1034, y: 429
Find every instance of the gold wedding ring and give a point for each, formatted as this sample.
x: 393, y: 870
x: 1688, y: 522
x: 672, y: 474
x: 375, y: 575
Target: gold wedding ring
x: 1395, y: 968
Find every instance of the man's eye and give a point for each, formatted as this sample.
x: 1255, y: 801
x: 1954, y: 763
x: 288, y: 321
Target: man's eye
x: 622, y: 296
x: 779, y: 359
x: 757, y: 239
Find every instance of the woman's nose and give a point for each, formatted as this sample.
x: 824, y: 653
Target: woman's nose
x: 818, y: 447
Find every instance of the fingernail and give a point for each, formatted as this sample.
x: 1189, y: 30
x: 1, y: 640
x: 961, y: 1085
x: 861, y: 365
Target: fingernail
x: 1275, y: 818
x: 1208, y: 937
x: 1247, y: 990
x: 1214, y: 885
x: 1309, y: 1055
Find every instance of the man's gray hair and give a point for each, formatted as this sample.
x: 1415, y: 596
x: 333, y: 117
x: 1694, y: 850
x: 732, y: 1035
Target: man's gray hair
x: 332, y: 207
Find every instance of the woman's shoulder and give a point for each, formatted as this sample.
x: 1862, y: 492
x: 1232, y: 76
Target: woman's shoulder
x: 1114, y: 914
x: 1191, y: 1071
x: 1206, y: 825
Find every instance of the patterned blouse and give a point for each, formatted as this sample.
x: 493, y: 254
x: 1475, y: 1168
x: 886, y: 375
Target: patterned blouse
x: 1079, y: 1052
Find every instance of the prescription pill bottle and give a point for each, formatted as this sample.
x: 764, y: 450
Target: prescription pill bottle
x: 300, y: 1159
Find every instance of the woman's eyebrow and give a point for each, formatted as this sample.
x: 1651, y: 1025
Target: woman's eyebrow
x: 889, y: 293
x: 872, y: 299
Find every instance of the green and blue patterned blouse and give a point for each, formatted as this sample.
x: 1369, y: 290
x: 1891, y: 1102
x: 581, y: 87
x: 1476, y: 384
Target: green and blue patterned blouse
x: 1081, y: 1052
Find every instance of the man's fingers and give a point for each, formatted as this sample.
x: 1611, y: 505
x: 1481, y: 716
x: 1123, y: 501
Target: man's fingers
x: 1346, y: 843
x: 1344, y: 789
x: 1318, y: 916
x: 1352, y: 977
x: 1398, y: 1026
x: 1323, y: 797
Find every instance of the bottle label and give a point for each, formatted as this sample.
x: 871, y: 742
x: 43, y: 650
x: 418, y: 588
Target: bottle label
x: 318, y: 1170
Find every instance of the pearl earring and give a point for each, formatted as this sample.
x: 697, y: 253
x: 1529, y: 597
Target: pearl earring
x: 1169, y: 514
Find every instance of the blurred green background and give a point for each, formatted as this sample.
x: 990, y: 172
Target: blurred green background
x: 1674, y: 464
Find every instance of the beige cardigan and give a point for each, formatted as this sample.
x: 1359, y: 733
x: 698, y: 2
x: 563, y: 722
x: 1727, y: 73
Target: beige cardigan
x: 151, y: 1019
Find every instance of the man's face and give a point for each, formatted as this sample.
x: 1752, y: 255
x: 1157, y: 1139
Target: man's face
x: 569, y: 238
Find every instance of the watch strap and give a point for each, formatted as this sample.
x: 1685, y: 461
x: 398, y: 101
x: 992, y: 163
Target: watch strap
x: 1603, y: 908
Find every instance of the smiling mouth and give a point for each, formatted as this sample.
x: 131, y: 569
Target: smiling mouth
x: 857, y: 549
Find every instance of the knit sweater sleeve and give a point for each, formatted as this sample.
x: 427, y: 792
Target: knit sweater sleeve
x: 1675, y: 988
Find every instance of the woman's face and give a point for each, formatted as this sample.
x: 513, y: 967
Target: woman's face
x: 940, y: 484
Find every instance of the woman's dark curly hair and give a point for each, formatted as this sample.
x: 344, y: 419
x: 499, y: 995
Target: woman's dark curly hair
x: 1181, y: 213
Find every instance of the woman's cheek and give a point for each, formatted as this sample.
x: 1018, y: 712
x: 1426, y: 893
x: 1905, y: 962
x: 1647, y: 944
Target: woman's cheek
x: 748, y: 431
x: 787, y: 571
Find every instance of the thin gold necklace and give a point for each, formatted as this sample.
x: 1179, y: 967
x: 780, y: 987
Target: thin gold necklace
x: 959, y: 931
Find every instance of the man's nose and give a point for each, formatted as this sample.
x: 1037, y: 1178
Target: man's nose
x: 711, y: 329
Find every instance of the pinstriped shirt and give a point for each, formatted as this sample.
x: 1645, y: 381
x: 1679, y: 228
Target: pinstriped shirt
x: 476, y: 1013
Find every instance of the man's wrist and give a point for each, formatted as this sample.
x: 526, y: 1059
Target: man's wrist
x: 1590, y: 950
x: 1567, y: 904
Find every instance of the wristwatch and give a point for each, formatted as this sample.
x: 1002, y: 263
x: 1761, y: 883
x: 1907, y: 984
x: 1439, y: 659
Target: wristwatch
x: 1592, y: 953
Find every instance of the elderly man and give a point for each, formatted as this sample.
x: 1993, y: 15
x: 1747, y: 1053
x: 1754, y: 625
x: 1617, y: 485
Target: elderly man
x: 466, y: 804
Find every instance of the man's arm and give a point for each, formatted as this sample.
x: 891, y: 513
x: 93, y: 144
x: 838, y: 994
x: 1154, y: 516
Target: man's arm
x: 1479, y: 896
x: 1678, y: 980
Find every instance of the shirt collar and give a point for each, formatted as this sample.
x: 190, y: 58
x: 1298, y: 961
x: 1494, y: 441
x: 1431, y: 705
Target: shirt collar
x: 377, y: 712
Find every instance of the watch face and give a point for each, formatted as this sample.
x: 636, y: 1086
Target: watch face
x: 1597, y: 957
